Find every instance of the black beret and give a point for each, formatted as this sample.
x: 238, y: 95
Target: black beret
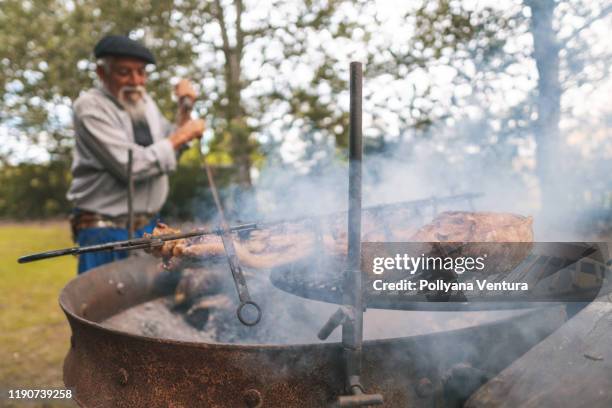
x: 121, y: 46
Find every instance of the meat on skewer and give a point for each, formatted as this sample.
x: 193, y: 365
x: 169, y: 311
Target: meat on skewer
x: 269, y: 248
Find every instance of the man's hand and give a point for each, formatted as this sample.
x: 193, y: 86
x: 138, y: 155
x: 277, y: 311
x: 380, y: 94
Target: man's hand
x: 186, y: 96
x: 184, y: 89
x: 190, y: 130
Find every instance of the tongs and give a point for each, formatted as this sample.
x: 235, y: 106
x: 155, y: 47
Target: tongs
x: 246, y: 302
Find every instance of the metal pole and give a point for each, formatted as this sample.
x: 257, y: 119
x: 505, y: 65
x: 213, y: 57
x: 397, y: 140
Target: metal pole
x: 350, y: 316
x: 353, y: 336
x: 130, y: 196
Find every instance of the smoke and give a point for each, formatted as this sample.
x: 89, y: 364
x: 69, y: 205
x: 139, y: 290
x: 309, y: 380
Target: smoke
x: 404, y: 172
x: 284, y: 193
x: 441, y: 162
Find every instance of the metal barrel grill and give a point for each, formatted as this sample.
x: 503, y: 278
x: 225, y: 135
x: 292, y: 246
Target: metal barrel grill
x: 112, y: 368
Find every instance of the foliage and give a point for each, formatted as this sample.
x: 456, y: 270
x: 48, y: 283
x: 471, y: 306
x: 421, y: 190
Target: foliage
x: 46, y: 60
x: 38, y: 191
x: 34, y: 191
x: 242, y: 56
x: 468, y: 45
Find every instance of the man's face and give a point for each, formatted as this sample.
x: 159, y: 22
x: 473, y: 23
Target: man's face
x: 127, y: 74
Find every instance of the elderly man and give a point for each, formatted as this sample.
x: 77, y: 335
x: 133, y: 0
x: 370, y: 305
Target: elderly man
x: 109, y: 121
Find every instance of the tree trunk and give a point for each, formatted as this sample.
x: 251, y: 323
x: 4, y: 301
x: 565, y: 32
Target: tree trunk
x: 234, y: 112
x: 546, y: 55
x: 240, y: 146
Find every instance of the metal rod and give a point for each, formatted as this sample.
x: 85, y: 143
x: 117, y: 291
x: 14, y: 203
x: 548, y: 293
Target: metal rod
x: 338, y: 318
x: 215, y: 193
x: 351, y: 315
x: 415, y: 204
x: 352, y: 330
x: 130, y: 195
x: 137, y: 243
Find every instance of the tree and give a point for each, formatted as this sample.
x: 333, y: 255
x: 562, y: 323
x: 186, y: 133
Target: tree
x: 46, y: 59
x: 47, y: 46
x: 481, y: 48
x: 443, y: 87
x: 547, y: 47
x: 249, y: 71
x: 276, y: 74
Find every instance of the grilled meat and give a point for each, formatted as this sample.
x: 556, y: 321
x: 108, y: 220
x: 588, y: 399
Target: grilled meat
x: 472, y: 234
x: 286, y: 243
x: 463, y: 226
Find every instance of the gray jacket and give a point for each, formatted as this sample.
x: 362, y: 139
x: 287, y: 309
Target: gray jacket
x: 103, y: 137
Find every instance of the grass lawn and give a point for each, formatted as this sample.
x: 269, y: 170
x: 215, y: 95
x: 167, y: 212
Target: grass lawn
x: 34, y: 334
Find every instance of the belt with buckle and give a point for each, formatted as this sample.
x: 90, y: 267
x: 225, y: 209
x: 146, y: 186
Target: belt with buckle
x: 86, y: 219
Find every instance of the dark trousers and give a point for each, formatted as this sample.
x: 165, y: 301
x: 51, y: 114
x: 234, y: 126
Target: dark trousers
x: 94, y: 236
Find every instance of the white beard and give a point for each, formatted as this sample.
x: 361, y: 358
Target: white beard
x: 132, y: 99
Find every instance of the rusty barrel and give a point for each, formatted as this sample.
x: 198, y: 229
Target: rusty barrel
x: 111, y: 368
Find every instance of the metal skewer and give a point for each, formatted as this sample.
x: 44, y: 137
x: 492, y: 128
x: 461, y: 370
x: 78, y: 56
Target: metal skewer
x: 126, y: 245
